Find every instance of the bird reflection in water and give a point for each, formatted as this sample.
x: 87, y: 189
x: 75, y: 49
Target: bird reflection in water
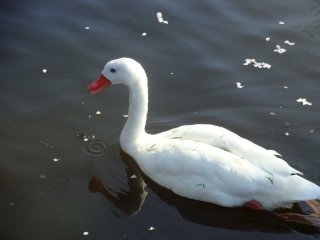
x: 131, y: 201
x: 303, y: 217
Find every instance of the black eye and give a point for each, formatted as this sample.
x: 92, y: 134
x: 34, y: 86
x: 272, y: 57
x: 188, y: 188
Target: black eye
x: 113, y: 70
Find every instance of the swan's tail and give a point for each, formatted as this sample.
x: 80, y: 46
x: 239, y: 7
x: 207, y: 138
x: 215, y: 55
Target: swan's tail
x: 300, y: 189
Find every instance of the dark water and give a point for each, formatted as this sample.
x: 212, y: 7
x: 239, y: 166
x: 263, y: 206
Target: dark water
x: 193, y: 64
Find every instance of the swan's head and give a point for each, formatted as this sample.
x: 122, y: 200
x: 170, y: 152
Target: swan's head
x: 120, y: 71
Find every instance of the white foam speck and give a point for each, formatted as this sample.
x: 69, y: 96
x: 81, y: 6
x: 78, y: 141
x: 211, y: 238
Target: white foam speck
x: 289, y: 43
x: 160, y: 19
x: 239, y: 85
x: 279, y: 49
x: 257, y: 64
x: 304, y: 101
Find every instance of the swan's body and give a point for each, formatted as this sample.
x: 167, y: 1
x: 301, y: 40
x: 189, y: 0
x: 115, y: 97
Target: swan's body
x: 202, y: 162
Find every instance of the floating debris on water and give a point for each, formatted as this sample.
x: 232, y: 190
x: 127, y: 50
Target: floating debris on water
x: 281, y: 23
x: 56, y: 159
x: 85, y: 233
x: 285, y: 87
x: 279, y: 49
x: 257, y: 64
x: 80, y: 136
x: 47, y: 145
x: 289, y: 43
x: 133, y: 176
x: 143, y: 34
x: 272, y: 113
x: 239, y: 85
x: 160, y: 19
x: 268, y: 39
x: 87, y: 28
x: 44, y: 70
x: 125, y: 115
x: 311, y: 131
x: 304, y: 101
x: 287, y: 134
x: 152, y: 228
x: 98, y: 112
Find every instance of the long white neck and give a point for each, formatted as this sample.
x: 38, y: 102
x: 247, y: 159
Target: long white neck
x: 138, y: 108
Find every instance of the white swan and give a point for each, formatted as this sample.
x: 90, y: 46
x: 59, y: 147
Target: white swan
x: 203, y: 162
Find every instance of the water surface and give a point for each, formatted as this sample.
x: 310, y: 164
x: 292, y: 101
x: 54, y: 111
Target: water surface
x: 193, y: 64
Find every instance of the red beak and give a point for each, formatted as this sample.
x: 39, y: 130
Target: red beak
x: 99, y: 84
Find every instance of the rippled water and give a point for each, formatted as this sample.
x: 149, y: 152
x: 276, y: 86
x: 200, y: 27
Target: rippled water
x: 193, y: 64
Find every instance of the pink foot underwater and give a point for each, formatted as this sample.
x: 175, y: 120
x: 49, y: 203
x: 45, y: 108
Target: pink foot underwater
x: 254, y: 205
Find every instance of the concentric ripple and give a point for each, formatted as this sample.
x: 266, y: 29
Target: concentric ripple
x: 94, y: 147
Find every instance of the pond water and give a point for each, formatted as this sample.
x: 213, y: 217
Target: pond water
x: 56, y: 148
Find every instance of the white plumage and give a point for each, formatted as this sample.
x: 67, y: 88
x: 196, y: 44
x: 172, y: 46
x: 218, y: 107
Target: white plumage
x: 202, y: 162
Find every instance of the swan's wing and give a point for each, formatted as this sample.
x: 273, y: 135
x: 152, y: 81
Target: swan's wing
x: 227, y: 140
x: 203, y: 172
